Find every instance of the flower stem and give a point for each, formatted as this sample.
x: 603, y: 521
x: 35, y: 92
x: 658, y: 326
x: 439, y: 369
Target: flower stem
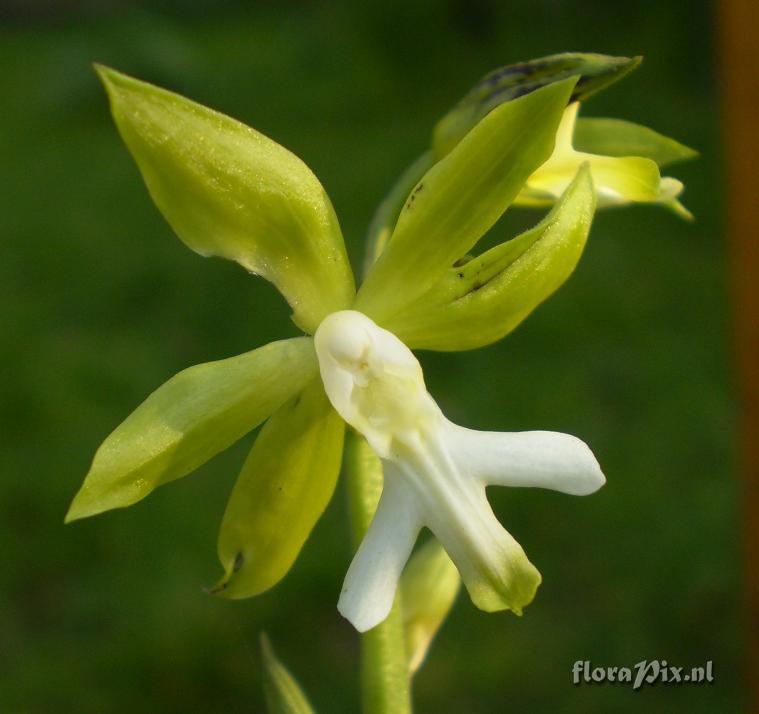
x: 385, y: 685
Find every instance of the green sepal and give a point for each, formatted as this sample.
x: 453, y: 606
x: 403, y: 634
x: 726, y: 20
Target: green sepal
x: 596, y: 72
x: 284, y: 487
x: 192, y: 417
x: 461, y: 197
x: 484, y: 299
x: 617, y: 137
x: 229, y: 191
x: 429, y: 586
x: 282, y: 693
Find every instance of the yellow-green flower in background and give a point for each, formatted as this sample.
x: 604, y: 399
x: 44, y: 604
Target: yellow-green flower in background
x: 229, y: 191
x: 625, y: 158
x: 619, y: 180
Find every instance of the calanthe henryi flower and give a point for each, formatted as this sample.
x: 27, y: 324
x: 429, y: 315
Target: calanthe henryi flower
x: 229, y: 191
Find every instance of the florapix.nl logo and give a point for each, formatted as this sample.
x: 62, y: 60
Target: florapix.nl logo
x: 649, y: 672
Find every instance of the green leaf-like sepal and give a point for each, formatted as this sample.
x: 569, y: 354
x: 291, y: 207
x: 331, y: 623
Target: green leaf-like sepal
x: 195, y: 415
x: 283, y: 694
x: 461, y: 197
x: 228, y: 190
x: 285, y: 485
x: 596, y: 72
x: 617, y: 137
x: 484, y: 299
x: 429, y: 586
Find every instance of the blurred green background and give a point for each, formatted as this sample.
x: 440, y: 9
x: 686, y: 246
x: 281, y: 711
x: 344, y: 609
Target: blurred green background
x: 101, y: 304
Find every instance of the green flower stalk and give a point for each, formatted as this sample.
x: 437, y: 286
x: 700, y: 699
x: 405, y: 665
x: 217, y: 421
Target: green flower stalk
x: 229, y: 191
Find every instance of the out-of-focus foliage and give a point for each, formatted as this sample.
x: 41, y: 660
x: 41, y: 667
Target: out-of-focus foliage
x: 282, y: 693
x: 102, y: 304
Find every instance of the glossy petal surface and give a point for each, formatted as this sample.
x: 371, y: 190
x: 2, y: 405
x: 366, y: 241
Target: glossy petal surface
x: 230, y: 191
x: 283, y: 489
x: 461, y: 197
x: 195, y: 415
x: 484, y: 299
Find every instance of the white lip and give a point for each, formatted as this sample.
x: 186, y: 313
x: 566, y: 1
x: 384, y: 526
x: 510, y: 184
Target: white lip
x: 435, y: 474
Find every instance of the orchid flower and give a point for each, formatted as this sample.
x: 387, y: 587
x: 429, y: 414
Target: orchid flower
x: 619, y: 180
x: 229, y: 191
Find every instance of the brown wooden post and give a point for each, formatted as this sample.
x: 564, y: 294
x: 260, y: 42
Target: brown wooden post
x: 740, y: 94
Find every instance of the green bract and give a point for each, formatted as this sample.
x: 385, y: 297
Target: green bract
x: 229, y: 191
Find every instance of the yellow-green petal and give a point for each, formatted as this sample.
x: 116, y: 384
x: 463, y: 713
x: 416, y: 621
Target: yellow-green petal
x: 285, y: 485
x: 617, y: 137
x: 486, y: 298
x: 229, y: 191
x: 619, y: 180
x: 461, y: 197
x: 195, y: 415
x: 429, y: 586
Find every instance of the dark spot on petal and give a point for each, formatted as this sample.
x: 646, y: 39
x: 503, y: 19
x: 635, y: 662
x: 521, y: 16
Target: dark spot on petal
x: 239, y: 559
